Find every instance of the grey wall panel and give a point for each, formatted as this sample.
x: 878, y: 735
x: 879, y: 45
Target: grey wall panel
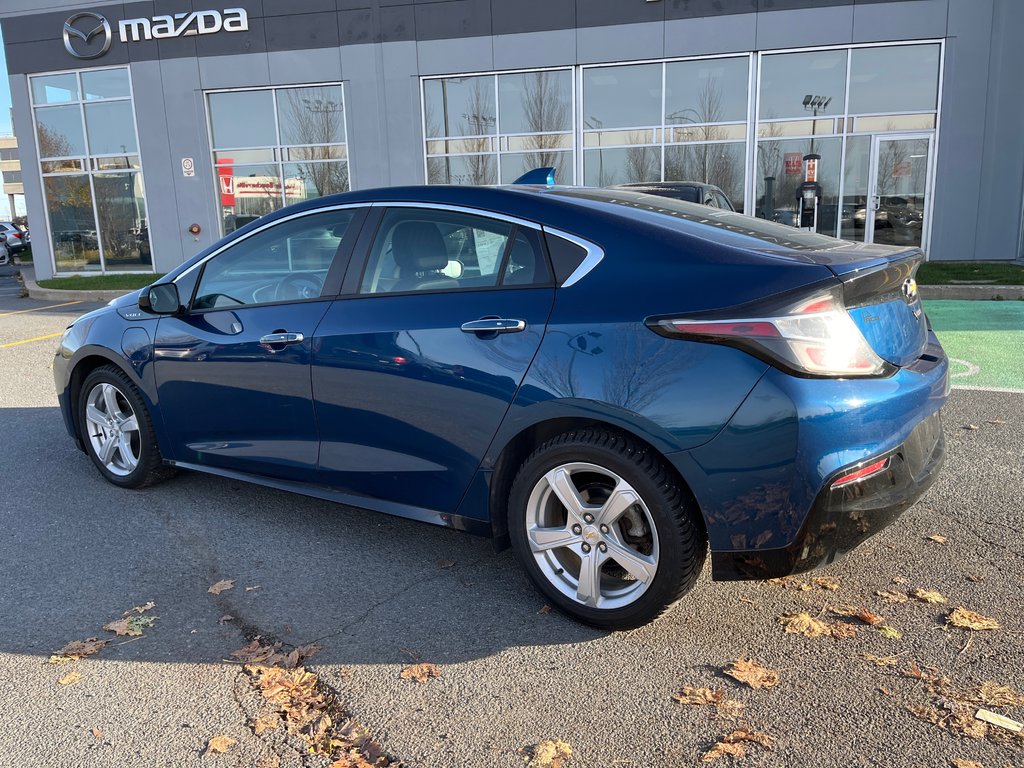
x: 252, y: 41
x: 402, y: 116
x: 532, y: 16
x: 597, y: 44
x: 914, y: 20
x: 962, y: 130
x: 715, y: 34
x: 452, y: 18
x: 365, y: 114
x: 535, y: 49
x: 470, y: 54
x: 356, y: 26
x: 42, y: 250
x: 287, y: 7
x: 237, y: 71
x: 689, y: 9
x: 317, y: 66
x: 39, y: 26
x: 602, y: 13
x: 397, y: 22
x: 302, y: 31
x: 805, y: 27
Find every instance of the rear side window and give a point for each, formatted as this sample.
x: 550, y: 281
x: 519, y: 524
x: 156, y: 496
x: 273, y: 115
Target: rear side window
x: 723, y: 202
x: 565, y: 256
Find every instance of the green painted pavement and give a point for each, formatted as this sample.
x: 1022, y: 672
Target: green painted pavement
x: 984, y: 341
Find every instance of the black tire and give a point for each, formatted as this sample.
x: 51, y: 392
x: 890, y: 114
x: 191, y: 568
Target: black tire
x: 679, y: 537
x: 149, y: 468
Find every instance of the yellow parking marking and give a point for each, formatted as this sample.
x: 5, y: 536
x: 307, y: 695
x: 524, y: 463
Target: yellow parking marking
x: 29, y: 341
x: 39, y: 309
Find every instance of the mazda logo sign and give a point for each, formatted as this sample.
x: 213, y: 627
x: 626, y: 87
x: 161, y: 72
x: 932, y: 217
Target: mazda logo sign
x: 93, y: 26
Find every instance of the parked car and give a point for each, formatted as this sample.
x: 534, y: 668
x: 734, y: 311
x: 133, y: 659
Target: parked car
x: 17, y: 238
x: 616, y: 385
x: 690, y: 191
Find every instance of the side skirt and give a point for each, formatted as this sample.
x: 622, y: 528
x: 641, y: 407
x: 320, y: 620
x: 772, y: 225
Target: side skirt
x: 445, y: 519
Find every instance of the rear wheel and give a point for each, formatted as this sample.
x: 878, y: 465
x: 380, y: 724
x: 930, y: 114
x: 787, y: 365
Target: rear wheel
x: 604, y: 530
x: 117, y: 430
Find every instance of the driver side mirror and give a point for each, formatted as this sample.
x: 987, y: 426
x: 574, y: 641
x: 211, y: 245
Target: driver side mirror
x: 160, y: 299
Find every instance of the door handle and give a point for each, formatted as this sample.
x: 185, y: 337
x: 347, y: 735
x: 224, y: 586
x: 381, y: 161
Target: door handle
x: 494, y: 325
x: 281, y: 338
x: 876, y: 202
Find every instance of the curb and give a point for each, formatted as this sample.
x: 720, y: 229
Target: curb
x: 56, y: 294
x: 973, y: 292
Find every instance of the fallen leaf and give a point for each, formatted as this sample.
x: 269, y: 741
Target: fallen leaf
x: 938, y: 539
x: 913, y: 671
x: 996, y: 695
x: 257, y: 653
x: 804, y: 624
x: 731, y: 744
x: 140, y: 609
x: 265, y: 722
x: 890, y: 633
x: 752, y: 673
x: 826, y: 583
x: 544, y: 610
x: 861, y: 614
x: 420, y: 672
x: 899, y: 580
x: 225, y: 618
x: 996, y: 421
x: 953, y: 718
x: 959, y: 762
x: 884, y: 691
x: 71, y: 677
x: 132, y: 626
x: 977, y: 578
x: 550, y: 753
x: 970, y: 427
x: 722, y: 749
x: 754, y: 737
x: 881, y: 661
x: 445, y: 563
x: 724, y: 706
x: 891, y: 596
x: 965, y: 619
x: 218, y: 745
x: 929, y: 596
x: 79, y: 649
x: 842, y: 629
x: 97, y: 734
x: 221, y: 586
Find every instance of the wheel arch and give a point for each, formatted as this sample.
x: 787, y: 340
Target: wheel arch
x: 89, y: 359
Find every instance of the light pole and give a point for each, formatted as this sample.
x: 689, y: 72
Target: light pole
x: 815, y: 104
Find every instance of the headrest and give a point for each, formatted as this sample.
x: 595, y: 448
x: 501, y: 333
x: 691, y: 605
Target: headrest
x: 418, y: 246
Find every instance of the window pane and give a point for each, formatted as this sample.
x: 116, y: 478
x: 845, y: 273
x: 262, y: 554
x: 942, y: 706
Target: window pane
x: 901, y: 78
x: 605, y: 167
x: 782, y: 162
x: 335, y: 152
x: 617, y: 97
x: 311, y: 115
x: 460, y: 106
x: 247, y: 192
x: 60, y: 131
x: 54, y: 89
x: 242, y: 119
x: 855, y: 187
x: 463, y: 169
x: 535, y: 102
x: 527, y: 264
x: 708, y: 91
x: 719, y: 164
x: 287, y: 262
x: 121, y: 212
x: 69, y: 204
x: 248, y: 156
x: 788, y: 78
x: 306, y: 181
x: 106, y: 84
x: 111, y: 129
x: 515, y: 165
x: 417, y: 250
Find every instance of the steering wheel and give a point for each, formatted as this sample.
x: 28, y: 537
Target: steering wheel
x: 300, y: 285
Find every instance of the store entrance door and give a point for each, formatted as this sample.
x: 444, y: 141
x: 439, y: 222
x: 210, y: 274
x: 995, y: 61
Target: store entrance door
x: 898, y: 200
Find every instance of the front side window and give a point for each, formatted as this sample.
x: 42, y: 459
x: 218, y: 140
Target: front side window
x: 274, y: 147
x: 424, y: 250
x: 92, y: 182
x: 287, y: 262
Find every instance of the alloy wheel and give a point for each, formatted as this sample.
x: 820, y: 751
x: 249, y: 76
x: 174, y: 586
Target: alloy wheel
x: 113, y: 429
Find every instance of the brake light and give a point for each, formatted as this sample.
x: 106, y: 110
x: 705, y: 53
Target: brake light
x: 17, y: 235
x: 862, y: 473
x: 813, y: 337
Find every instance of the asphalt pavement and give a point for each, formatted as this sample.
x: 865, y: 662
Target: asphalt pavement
x: 377, y: 593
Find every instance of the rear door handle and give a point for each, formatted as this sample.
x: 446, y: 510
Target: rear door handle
x: 494, y: 325
x: 281, y: 338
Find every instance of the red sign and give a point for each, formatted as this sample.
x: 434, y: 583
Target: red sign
x: 794, y: 163
x: 227, y: 182
x: 812, y: 170
x: 904, y: 168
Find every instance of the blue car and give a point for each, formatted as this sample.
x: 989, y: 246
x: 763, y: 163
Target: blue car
x: 610, y: 382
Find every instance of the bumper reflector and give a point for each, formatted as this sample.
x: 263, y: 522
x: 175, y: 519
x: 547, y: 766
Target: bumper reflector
x: 863, y: 472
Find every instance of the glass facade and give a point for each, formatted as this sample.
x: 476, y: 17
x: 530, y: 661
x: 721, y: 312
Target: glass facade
x: 740, y: 122
x: 92, y: 182
x: 274, y: 147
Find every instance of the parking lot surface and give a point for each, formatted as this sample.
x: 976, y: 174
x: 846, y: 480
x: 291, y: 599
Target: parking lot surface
x: 378, y: 593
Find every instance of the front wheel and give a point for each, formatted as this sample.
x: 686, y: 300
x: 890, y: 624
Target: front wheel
x: 603, y: 528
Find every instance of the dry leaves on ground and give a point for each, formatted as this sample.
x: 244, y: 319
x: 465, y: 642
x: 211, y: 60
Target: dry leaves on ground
x: 891, y: 596
x: 830, y: 585
x: 97, y: 734
x: 273, y: 655
x: 218, y: 745
x: 965, y: 619
x: 881, y: 661
x: 731, y: 744
x: 861, y: 614
x: 78, y: 649
x: 929, y: 596
x: 268, y: 721
x: 221, y: 586
x: 959, y: 762
x: 752, y: 673
x: 70, y: 678
x: 953, y: 717
x: 970, y: 427
x: 420, y: 673
x: 976, y: 578
x: 803, y: 623
x: 140, y: 609
x: 550, y: 753
x: 725, y: 707
x: 937, y: 538
x: 995, y: 695
x: 131, y: 626
x: 890, y: 633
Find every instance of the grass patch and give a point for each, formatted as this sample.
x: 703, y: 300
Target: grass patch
x: 101, y: 282
x: 976, y: 272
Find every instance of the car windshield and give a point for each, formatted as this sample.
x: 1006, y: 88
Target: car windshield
x: 690, y: 194
x: 657, y: 208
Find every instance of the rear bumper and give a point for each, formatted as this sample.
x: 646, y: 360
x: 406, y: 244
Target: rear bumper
x: 841, y: 518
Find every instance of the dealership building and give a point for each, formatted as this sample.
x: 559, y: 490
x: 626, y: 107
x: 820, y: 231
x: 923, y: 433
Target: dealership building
x: 148, y: 130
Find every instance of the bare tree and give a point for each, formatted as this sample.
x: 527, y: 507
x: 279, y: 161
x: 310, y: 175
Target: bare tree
x: 546, y: 112
x: 316, y: 117
x: 481, y: 165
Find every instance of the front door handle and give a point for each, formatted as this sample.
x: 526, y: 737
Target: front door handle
x: 280, y: 339
x: 494, y: 325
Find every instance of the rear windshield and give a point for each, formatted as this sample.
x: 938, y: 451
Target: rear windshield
x: 674, y: 193
x: 656, y: 208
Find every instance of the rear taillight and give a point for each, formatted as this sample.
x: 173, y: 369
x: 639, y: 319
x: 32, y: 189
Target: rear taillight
x: 812, y: 337
x: 861, y: 474
x: 17, y: 235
